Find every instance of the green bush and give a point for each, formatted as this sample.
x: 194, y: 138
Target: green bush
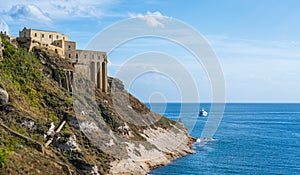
x: 6, y: 148
x: 62, y: 74
x: 3, y: 157
x: 21, y: 73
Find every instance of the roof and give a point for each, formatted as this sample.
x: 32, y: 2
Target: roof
x: 48, y: 31
x: 44, y: 30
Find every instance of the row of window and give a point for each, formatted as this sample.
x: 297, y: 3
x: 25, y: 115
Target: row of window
x: 85, y: 56
x: 43, y: 36
x: 77, y: 57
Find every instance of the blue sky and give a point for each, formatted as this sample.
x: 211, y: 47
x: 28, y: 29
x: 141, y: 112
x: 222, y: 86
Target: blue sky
x: 257, y: 42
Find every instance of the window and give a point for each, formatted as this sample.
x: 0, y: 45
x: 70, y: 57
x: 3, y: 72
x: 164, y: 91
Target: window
x: 56, y: 36
x: 84, y: 55
x: 92, y: 56
x: 69, y: 55
x: 35, y: 34
x: 49, y: 36
x: 42, y: 35
x: 98, y: 57
x: 69, y: 47
x: 77, y: 58
x: 63, y: 38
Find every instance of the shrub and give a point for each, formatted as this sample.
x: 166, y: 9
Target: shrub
x: 3, y: 157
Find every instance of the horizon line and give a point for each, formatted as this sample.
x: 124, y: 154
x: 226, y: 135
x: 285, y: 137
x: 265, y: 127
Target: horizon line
x: 258, y: 102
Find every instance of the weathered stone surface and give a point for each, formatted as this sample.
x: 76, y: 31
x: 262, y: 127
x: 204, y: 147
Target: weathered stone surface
x: 3, y: 97
x: 168, y: 145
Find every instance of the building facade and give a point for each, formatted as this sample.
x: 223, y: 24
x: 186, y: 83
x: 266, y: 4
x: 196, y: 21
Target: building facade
x: 95, y: 64
x: 91, y: 63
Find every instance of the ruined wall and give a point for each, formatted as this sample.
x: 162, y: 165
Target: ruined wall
x: 42, y: 36
x: 70, y: 50
x: 93, y: 64
x: 55, y: 41
x: 29, y: 44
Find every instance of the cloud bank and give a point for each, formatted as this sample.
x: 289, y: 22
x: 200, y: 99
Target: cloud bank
x: 46, y: 12
x: 3, y: 26
x: 28, y: 12
x: 153, y: 19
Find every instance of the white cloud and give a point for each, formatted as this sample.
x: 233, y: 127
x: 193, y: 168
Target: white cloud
x: 242, y: 48
x: 3, y: 26
x: 28, y: 12
x: 71, y: 8
x: 155, y: 19
x: 255, y: 70
x: 48, y: 11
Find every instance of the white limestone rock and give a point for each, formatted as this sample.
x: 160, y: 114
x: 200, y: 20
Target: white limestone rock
x: 4, y: 97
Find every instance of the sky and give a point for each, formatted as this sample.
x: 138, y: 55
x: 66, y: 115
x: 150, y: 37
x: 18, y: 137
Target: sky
x: 257, y: 42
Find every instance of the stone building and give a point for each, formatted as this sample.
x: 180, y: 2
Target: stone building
x: 55, y: 41
x: 91, y: 63
x: 95, y: 65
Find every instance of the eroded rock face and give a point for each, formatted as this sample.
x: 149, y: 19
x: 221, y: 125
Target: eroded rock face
x: 3, y: 97
x: 163, y: 146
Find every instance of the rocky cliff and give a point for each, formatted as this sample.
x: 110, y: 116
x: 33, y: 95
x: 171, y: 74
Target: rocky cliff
x: 41, y: 130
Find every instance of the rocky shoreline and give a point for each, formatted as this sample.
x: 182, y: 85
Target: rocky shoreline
x: 167, y: 150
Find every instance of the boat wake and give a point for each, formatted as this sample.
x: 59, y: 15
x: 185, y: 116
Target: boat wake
x: 205, y: 139
x: 204, y: 145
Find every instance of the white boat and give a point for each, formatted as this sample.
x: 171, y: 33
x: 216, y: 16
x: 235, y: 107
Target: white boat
x: 203, y: 113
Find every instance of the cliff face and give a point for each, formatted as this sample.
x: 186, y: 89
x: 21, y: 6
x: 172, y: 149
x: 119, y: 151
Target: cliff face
x: 140, y: 139
x: 42, y: 132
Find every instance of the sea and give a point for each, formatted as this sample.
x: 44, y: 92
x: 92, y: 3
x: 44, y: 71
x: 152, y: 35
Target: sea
x: 252, y: 138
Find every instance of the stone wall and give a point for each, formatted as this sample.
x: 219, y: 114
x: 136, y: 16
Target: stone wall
x: 53, y: 40
x: 93, y: 64
x: 70, y: 50
x: 43, y: 36
x: 29, y: 44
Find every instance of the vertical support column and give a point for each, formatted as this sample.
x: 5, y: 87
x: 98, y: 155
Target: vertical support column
x: 92, y: 71
x: 104, y: 76
x: 98, y: 76
x: 68, y: 80
x: 71, y: 80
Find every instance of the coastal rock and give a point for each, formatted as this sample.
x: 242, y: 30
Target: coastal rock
x: 166, y: 145
x: 3, y: 97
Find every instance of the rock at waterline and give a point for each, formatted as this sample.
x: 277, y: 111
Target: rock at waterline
x: 3, y: 97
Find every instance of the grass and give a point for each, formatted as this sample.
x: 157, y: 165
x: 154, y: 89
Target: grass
x: 8, y: 145
x: 40, y: 99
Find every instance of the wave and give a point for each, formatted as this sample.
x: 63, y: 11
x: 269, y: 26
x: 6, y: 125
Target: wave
x: 205, y: 139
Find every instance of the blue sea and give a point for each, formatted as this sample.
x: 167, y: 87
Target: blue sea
x: 251, y: 139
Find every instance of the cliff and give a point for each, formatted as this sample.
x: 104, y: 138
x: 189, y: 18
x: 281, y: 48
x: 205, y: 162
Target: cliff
x: 40, y: 131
